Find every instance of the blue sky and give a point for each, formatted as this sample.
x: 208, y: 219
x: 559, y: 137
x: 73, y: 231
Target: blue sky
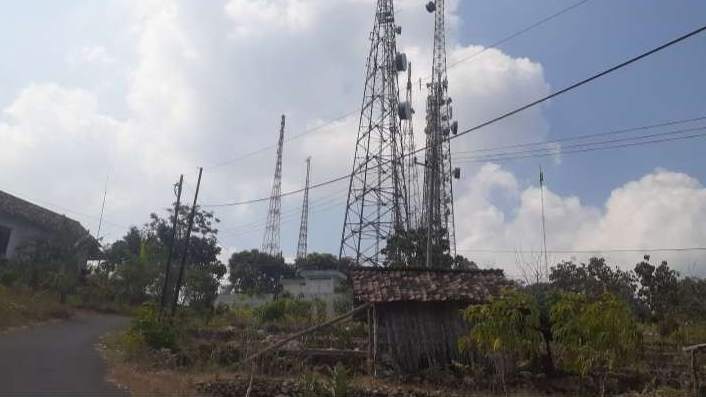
x: 598, y: 34
x: 144, y: 90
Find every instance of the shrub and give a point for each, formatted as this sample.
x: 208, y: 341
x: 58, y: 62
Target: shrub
x: 597, y: 336
x: 156, y: 332
x: 337, y: 385
x: 343, y: 304
x: 296, y: 311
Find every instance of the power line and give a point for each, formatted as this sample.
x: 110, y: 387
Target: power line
x: 587, y: 136
x: 519, y: 32
x: 560, y: 149
x: 654, y: 141
x: 292, y: 138
x: 45, y: 202
x: 452, y: 65
x: 582, y: 82
x: 503, y: 116
x: 612, y: 250
x: 291, y: 212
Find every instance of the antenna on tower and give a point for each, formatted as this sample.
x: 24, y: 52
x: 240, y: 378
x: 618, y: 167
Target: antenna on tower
x: 271, y: 240
x: 412, y: 183
x: 438, y: 187
x: 303, y: 228
x: 544, y: 229
x: 377, y: 206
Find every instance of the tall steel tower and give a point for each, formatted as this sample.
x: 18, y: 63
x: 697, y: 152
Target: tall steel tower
x: 304, y: 226
x: 414, y: 197
x: 376, y: 205
x: 438, y: 189
x: 270, y: 242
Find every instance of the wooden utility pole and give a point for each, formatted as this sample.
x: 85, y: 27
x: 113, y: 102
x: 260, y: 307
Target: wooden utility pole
x: 168, y: 266
x: 175, y: 298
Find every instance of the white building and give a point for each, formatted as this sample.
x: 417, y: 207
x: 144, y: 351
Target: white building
x: 315, y: 283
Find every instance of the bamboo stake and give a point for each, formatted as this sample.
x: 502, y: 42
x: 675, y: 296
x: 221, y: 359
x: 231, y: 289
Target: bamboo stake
x: 298, y: 334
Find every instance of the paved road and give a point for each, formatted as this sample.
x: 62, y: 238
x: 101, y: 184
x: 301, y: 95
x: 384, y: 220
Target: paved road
x: 57, y: 359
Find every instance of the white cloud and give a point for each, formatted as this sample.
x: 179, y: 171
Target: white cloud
x: 661, y: 210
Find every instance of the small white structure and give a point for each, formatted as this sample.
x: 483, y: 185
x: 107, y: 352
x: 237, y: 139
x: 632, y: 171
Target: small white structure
x: 314, y: 283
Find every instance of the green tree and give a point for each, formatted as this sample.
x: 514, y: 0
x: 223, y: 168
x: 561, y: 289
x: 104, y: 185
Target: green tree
x: 255, y: 272
x: 321, y: 261
x: 595, y: 336
x: 505, y: 325
x: 658, y: 287
x: 408, y: 248
x: 691, y: 294
x: 593, y: 279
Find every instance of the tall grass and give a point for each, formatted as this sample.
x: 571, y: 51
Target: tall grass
x: 20, y: 306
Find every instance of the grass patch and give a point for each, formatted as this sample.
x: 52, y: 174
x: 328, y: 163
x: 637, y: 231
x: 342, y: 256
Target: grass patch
x: 20, y: 306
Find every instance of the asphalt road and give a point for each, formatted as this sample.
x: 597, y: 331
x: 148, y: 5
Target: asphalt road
x: 57, y: 359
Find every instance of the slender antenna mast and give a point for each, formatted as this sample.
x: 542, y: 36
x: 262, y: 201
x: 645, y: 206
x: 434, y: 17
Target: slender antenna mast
x: 303, y: 228
x: 377, y: 206
x: 271, y: 240
x: 413, y: 195
x: 105, y: 193
x: 544, y: 230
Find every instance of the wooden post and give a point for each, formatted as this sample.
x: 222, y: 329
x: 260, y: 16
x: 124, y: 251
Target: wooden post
x: 370, y: 342
x: 168, y: 266
x: 187, y: 239
x: 694, y: 365
x: 375, y: 341
x: 694, y: 373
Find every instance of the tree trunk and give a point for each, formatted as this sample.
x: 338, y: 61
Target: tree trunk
x: 548, y: 359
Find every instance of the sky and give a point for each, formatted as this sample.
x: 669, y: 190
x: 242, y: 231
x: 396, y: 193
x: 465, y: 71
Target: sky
x: 141, y: 91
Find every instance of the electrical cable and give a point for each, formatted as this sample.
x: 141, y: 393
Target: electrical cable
x: 501, y: 117
x: 587, y: 136
x: 452, y: 65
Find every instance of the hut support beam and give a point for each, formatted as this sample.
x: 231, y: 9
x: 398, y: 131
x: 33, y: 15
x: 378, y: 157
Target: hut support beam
x: 375, y: 341
x: 693, y: 350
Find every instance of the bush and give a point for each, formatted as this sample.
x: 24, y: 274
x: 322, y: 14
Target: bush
x: 343, y: 304
x: 156, y: 332
x: 296, y: 311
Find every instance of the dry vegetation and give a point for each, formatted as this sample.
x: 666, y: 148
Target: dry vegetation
x: 21, y: 306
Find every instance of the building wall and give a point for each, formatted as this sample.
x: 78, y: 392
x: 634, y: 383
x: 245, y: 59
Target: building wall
x: 20, y: 230
x: 309, y: 287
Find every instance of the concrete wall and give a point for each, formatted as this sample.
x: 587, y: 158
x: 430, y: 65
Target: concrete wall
x: 309, y: 286
x: 20, y: 230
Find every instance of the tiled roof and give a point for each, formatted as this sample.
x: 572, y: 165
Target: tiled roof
x: 426, y: 285
x: 40, y: 216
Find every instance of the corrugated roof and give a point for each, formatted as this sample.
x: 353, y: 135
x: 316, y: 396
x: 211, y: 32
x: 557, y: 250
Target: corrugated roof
x: 40, y: 216
x: 426, y: 285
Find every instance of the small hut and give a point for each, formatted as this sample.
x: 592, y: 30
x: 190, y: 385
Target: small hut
x: 415, y: 313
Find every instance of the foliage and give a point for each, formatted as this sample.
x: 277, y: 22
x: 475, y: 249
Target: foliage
x: 310, y: 385
x: 343, y: 304
x: 658, y: 287
x: 337, y: 384
x: 593, y: 279
x: 203, y: 268
x: 596, y: 336
x: 19, y: 305
x: 294, y: 310
x: 691, y: 295
x: 322, y: 261
x: 409, y: 248
x: 255, y: 272
x: 134, y: 266
x: 153, y: 328
x: 507, y: 323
